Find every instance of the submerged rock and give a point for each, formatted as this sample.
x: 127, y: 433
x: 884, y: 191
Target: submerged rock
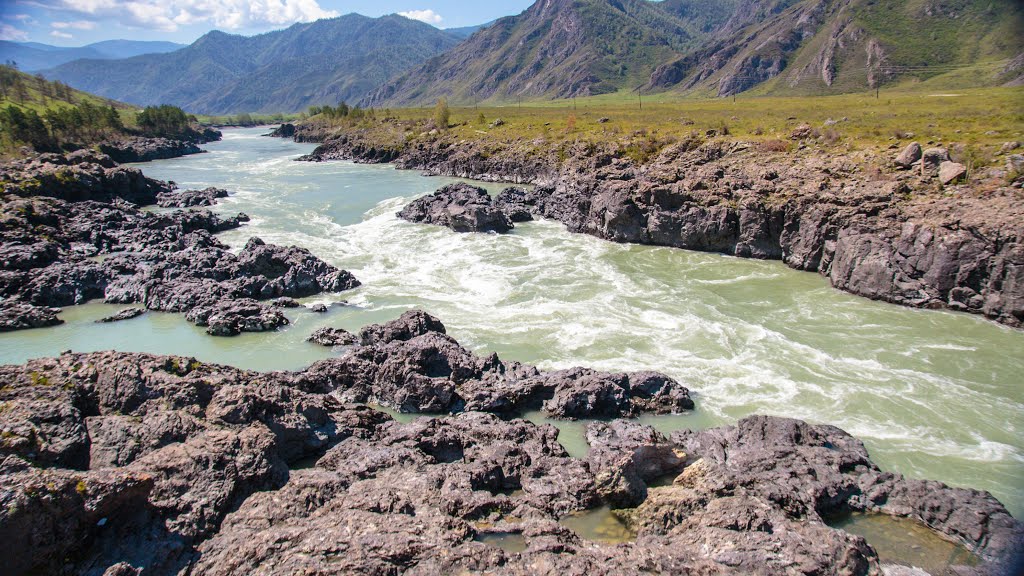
x: 461, y: 207
x: 126, y: 314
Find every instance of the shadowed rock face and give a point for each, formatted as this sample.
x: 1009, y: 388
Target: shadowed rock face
x: 133, y: 461
x: 461, y: 207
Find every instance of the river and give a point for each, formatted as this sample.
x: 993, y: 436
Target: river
x: 933, y: 394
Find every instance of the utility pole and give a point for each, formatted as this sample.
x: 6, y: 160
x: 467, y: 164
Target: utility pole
x: 639, y: 94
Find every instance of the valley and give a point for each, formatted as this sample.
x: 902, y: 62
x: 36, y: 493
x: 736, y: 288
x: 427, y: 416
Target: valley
x: 619, y: 286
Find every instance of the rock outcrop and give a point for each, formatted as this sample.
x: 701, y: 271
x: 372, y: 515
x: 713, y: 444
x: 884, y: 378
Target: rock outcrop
x: 411, y: 365
x: 461, y: 207
x: 118, y: 463
x: 333, y: 337
x: 66, y: 248
x: 190, y: 198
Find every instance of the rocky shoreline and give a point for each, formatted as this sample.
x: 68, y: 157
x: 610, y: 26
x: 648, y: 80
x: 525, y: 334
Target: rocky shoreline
x: 883, y: 228
x: 71, y: 231
x: 117, y: 463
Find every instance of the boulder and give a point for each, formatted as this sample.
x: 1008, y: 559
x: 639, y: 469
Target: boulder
x: 333, y: 337
x: 461, y: 207
x: 909, y: 156
x: 931, y: 159
x: 232, y: 317
x: 951, y: 172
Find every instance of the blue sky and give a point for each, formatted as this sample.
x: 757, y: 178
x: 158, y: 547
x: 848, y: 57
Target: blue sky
x: 79, y: 22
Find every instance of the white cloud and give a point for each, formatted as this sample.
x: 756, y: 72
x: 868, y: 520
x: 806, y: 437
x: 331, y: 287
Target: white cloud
x: 428, y: 16
x: 8, y: 32
x: 77, y: 25
x: 59, y: 34
x: 168, y: 15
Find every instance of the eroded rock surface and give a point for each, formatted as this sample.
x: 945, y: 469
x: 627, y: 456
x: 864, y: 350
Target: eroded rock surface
x: 131, y: 463
x: 461, y: 207
x: 62, y: 248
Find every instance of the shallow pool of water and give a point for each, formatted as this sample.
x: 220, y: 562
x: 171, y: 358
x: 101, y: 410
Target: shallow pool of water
x: 933, y: 394
x: 907, y: 543
x: 599, y: 525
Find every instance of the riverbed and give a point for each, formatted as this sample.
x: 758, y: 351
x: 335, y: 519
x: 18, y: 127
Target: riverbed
x: 933, y: 394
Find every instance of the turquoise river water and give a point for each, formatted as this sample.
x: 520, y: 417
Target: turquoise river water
x: 933, y: 394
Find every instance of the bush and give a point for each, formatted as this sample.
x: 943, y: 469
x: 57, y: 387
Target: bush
x: 442, y: 114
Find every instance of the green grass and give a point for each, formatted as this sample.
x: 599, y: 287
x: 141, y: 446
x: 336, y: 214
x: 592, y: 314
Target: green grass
x: 980, y: 119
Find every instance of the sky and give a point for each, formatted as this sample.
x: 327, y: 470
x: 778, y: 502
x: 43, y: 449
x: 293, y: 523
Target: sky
x: 80, y: 22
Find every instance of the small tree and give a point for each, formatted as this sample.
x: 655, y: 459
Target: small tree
x: 442, y: 114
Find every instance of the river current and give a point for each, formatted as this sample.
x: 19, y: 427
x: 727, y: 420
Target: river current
x: 933, y: 394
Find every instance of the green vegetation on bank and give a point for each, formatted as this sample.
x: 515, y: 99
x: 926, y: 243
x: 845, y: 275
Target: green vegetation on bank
x: 50, y: 116
x: 977, y: 122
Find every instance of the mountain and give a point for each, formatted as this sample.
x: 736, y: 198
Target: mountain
x: 33, y: 56
x: 467, y: 31
x: 562, y: 48
x: 832, y: 46
x: 321, y: 62
x: 556, y: 48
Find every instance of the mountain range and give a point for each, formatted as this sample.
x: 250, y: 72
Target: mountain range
x: 321, y: 62
x: 33, y: 56
x: 563, y: 48
x: 567, y: 48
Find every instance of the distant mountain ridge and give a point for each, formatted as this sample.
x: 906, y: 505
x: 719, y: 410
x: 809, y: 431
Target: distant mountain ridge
x: 33, y: 56
x: 562, y: 48
x: 321, y: 62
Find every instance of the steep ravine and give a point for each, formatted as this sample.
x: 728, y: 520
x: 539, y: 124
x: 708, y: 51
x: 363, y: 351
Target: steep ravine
x: 874, y: 231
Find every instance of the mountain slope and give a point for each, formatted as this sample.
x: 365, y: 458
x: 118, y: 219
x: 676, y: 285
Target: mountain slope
x: 832, y: 46
x: 556, y: 48
x: 561, y: 48
x: 33, y: 56
x: 283, y: 71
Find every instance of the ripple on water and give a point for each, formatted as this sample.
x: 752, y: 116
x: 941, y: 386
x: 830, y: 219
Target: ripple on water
x: 933, y: 394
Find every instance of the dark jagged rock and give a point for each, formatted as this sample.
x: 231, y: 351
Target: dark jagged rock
x: 333, y: 337
x: 514, y: 203
x: 411, y: 365
x: 407, y: 326
x: 625, y: 457
x: 820, y: 471
x: 285, y: 130
x: 232, y: 317
x: 117, y: 462
x: 190, y: 198
x: 148, y: 149
x: 126, y: 314
x: 78, y: 176
x: 461, y: 207
x: 168, y: 261
x: 16, y: 315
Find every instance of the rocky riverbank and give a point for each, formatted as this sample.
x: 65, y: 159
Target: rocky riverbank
x: 71, y: 230
x: 115, y: 463
x: 142, y: 149
x: 887, y: 228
